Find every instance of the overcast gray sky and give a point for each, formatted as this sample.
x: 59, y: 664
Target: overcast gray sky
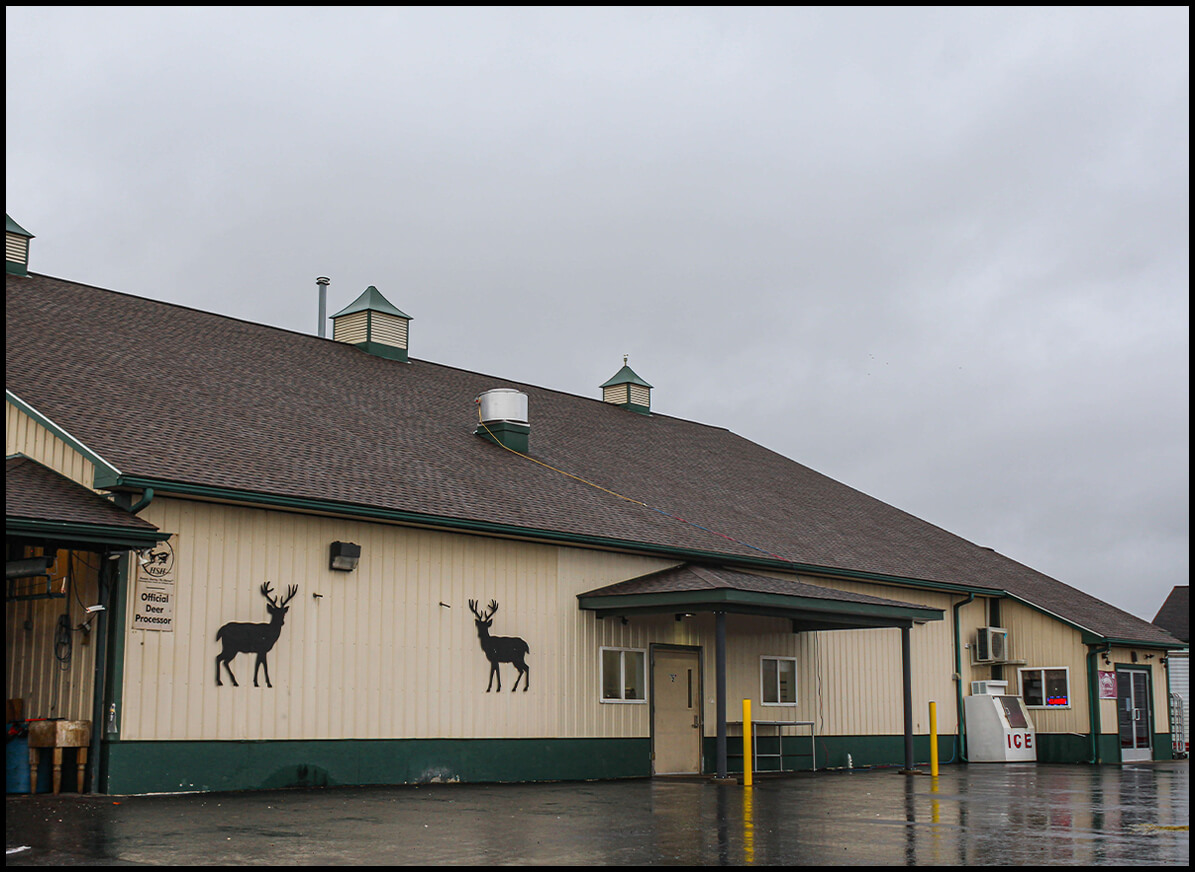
x: 940, y: 255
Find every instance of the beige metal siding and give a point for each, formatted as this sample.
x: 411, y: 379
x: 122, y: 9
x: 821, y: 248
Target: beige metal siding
x: 24, y: 435
x: 389, y: 329
x: 1044, y: 642
x: 352, y: 328
x: 616, y: 394
x: 54, y: 680
x: 16, y: 248
x: 390, y: 650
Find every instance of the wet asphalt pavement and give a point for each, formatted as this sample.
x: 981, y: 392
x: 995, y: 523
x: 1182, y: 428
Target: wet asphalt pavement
x: 971, y: 815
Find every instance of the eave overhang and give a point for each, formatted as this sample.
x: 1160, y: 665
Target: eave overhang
x: 71, y: 533
x: 806, y: 613
x: 108, y: 478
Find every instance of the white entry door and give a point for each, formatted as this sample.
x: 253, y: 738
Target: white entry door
x: 676, y: 711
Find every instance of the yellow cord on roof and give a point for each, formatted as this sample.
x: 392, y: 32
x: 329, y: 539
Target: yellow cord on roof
x: 553, y: 468
x: 623, y: 497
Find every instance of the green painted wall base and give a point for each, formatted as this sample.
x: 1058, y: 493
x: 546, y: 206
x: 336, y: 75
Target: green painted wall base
x: 1063, y: 748
x: 833, y: 752
x: 162, y: 767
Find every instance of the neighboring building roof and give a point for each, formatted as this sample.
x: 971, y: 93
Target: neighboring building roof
x: 228, y: 409
x: 39, y: 502
x: 1175, y: 614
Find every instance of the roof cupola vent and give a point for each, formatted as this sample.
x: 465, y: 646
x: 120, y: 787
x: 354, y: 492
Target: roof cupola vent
x: 374, y: 325
x: 16, y: 247
x: 627, y: 390
x: 502, y: 417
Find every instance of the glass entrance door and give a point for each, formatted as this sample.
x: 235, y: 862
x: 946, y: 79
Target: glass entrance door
x: 1133, y: 714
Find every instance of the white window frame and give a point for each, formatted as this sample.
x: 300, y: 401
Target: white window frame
x: 763, y: 684
x: 1042, y: 670
x: 622, y: 667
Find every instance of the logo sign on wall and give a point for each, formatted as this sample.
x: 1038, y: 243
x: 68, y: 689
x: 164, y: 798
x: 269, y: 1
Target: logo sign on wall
x: 1107, y: 685
x: 153, y: 604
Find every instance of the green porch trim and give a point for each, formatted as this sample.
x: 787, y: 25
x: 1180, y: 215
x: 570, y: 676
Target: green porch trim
x: 99, y: 462
x: 93, y: 534
x: 172, y: 766
x: 730, y: 600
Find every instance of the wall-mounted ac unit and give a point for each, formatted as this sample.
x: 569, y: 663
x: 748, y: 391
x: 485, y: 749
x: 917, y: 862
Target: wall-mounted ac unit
x: 989, y: 688
x: 991, y: 645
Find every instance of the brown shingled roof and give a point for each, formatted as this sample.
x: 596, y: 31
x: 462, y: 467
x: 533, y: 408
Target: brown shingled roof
x: 177, y: 395
x: 33, y: 492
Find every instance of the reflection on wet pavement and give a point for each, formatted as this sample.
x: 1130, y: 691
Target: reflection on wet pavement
x: 1021, y: 814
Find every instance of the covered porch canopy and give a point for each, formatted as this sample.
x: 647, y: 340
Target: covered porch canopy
x: 44, y: 512
x: 690, y: 588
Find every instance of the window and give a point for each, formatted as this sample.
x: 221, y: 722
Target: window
x: 624, y: 675
x: 778, y: 680
x: 1046, y: 688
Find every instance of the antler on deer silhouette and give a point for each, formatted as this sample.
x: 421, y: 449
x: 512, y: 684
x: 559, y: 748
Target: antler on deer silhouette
x: 500, y: 649
x: 253, y: 638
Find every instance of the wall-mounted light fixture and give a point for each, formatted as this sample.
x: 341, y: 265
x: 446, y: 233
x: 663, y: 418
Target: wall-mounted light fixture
x: 344, y: 556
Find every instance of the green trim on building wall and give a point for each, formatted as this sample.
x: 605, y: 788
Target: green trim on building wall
x: 263, y: 499
x: 152, y: 767
x: 728, y: 598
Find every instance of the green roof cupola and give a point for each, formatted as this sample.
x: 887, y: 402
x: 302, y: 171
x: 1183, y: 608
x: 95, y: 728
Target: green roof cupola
x: 374, y: 325
x: 16, y: 247
x: 627, y: 390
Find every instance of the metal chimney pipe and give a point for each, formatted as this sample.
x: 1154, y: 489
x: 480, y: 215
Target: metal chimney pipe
x: 323, y: 282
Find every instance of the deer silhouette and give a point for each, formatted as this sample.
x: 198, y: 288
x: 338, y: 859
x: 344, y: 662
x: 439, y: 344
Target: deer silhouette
x: 501, y: 649
x: 253, y: 638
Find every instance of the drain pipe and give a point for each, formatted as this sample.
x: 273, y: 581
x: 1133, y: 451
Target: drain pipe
x: 147, y: 497
x: 958, y: 678
x: 1093, y: 697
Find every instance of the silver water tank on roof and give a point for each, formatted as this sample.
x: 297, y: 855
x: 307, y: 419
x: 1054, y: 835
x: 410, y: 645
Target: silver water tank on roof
x: 503, y: 404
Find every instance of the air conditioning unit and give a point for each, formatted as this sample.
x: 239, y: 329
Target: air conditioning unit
x: 991, y: 645
x: 989, y: 688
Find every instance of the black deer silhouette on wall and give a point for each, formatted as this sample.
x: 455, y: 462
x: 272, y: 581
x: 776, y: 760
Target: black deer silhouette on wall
x: 501, y: 649
x: 253, y: 638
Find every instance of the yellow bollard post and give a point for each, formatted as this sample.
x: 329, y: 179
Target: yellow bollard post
x: 747, y: 761
x: 933, y: 739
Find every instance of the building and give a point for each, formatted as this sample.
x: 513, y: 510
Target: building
x: 435, y: 574
x: 1175, y: 618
